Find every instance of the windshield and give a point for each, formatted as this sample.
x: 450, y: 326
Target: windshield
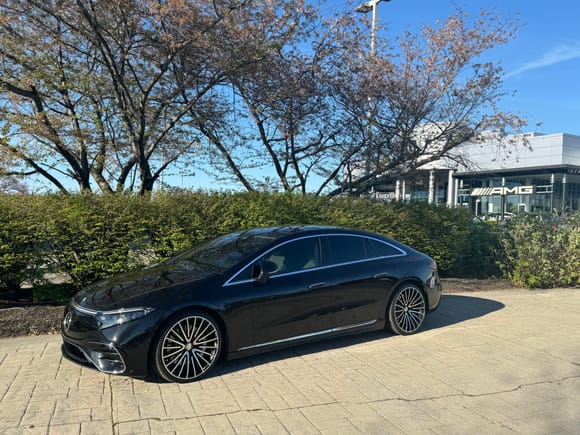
x: 225, y: 252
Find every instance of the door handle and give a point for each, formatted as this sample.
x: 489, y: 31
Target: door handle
x: 380, y: 275
x: 317, y: 285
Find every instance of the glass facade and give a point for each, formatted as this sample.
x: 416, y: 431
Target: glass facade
x: 491, y: 195
x: 540, y: 174
x: 497, y: 194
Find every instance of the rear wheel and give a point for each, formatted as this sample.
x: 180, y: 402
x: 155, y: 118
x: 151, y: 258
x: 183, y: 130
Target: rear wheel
x: 407, y: 310
x: 188, y: 347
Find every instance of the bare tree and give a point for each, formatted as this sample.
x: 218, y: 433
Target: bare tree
x: 427, y: 96
x: 322, y: 109
x: 267, y: 92
x: 101, y: 89
x: 280, y: 127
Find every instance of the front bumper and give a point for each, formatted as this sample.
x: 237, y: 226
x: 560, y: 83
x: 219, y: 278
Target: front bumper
x: 121, y: 349
x: 104, y: 356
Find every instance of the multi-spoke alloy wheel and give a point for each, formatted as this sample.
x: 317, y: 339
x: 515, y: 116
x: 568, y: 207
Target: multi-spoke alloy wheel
x: 189, y: 346
x: 407, y: 310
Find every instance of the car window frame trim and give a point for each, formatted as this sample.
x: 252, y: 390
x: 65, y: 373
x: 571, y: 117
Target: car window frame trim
x: 231, y: 281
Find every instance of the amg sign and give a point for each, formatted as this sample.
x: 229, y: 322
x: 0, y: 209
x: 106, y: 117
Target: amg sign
x: 502, y: 190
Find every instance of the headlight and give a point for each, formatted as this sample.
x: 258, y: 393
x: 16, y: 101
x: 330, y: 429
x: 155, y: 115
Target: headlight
x: 118, y: 317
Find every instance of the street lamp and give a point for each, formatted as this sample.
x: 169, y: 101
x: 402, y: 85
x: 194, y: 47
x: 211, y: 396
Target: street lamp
x: 370, y: 6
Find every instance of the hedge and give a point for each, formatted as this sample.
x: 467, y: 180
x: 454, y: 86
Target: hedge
x: 88, y: 237
x: 540, y: 253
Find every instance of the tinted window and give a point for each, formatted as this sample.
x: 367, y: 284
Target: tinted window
x: 292, y: 257
x: 346, y: 248
x: 379, y: 249
x: 295, y: 256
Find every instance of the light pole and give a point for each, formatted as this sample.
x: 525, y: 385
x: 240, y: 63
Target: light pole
x: 370, y: 6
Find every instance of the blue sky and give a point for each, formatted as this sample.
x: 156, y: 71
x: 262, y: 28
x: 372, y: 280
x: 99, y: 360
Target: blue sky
x: 541, y: 64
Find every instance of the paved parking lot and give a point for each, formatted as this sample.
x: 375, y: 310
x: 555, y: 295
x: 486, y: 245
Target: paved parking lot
x: 491, y: 362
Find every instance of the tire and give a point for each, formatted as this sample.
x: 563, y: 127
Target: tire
x: 407, y: 310
x: 188, y: 347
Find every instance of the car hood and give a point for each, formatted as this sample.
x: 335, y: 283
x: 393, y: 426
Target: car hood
x: 143, y: 287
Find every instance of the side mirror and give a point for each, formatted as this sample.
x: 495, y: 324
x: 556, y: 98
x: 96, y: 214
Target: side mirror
x: 261, y: 271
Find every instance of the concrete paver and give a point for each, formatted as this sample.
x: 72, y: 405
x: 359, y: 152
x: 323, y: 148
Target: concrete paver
x: 490, y: 362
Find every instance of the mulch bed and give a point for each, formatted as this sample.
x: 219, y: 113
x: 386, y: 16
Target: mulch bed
x: 30, y: 320
x: 21, y: 317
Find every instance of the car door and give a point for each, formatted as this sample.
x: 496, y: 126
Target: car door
x: 293, y: 303
x: 360, y: 278
x: 290, y: 303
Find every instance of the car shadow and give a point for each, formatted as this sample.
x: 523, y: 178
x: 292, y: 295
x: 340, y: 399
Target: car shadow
x: 453, y: 309
x: 460, y: 308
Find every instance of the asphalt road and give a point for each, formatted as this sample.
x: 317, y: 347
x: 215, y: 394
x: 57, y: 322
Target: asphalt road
x: 489, y: 362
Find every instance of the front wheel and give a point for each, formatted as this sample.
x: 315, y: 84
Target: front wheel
x: 407, y: 309
x: 188, y: 347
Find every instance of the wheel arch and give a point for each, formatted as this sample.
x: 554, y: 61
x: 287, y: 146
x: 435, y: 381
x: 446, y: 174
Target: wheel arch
x: 408, y: 280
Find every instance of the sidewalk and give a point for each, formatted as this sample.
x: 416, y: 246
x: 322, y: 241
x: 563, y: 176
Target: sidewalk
x: 489, y: 362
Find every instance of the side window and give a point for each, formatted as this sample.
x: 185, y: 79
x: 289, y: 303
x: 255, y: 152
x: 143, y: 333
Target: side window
x: 244, y: 275
x: 345, y: 249
x: 378, y: 249
x: 295, y: 256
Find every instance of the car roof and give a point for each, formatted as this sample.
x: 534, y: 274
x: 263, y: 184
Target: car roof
x: 288, y: 229
x: 291, y: 231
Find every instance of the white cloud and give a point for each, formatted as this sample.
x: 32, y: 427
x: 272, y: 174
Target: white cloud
x: 559, y: 54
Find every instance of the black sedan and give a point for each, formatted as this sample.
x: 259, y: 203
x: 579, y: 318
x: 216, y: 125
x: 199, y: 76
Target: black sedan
x: 248, y: 292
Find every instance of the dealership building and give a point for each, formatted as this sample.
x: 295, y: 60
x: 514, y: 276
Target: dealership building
x: 537, y: 173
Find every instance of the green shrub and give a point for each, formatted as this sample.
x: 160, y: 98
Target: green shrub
x: 438, y: 231
x: 481, y: 253
x: 89, y: 237
x: 539, y: 254
x: 19, y: 242
x: 51, y: 293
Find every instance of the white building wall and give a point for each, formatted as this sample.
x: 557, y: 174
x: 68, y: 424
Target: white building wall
x: 571, y: 154
x: 512, y: 152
